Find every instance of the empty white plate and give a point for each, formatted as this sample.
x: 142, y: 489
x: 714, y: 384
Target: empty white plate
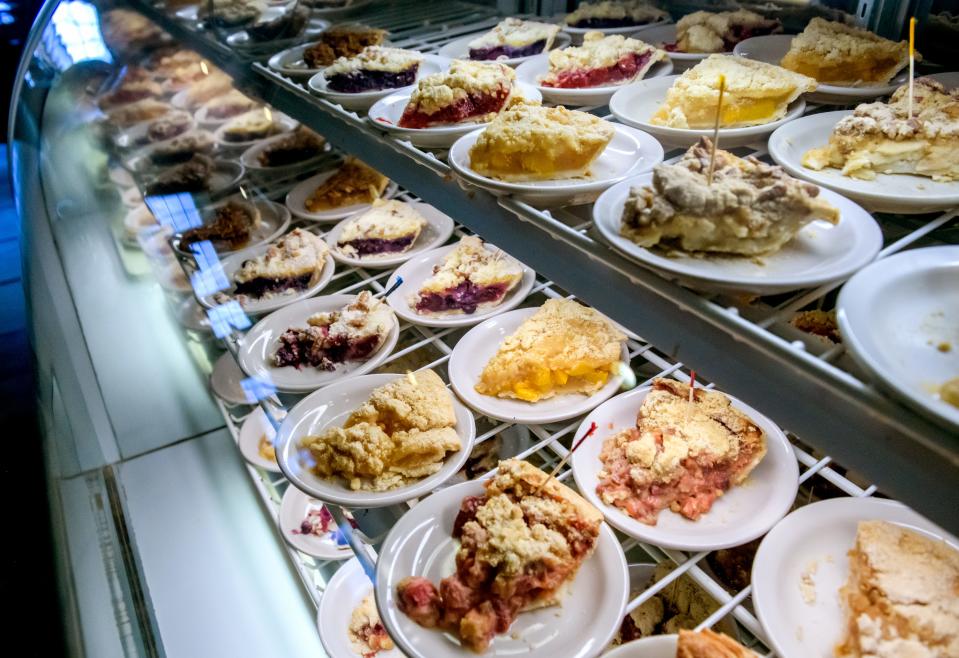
x: 813, y: 541
x: 820, y: 252
x: 420, y: 544
x: 459, y: 48
x: 660, y: 35
x: 438, y: 229
x: 296, y: 199
x: 772, y: 48
x: 657, y: 646
x: 232, y: 264
x: 255, y: 427
x: 900, y: 193
x: 629, y: 153
x: 295, y: 508
x: 742, y: 514
x: 893, y: 316
x: 386, y: 113
x: 364, y: 100
x: 332, y: 406
x: 257, y: 347
x: 535, y: 68
x: 225, y: 380
x: 416, y: 270
x: 635, y: 104
x: 477, y: 347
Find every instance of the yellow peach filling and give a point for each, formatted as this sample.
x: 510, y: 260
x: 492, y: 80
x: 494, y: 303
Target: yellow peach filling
x: 847, y: 71
x: 541, y: 163
x: 541, y: 382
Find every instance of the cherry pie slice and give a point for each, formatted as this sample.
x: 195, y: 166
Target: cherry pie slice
x: 601, y: 61
x: 513, y: 38
x: 468, y: 91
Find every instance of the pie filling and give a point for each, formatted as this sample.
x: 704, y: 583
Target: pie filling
x: 625, y: 69
x: 474, y: 105
x: 465, y: 297
x: 543, y: 381
x: 261, y: 286
x: 495, y: 52
x: 373, y: 246
x: 599, y: 22
x: 316, y: 348
x: 366, y: 80
x: 874, y: 71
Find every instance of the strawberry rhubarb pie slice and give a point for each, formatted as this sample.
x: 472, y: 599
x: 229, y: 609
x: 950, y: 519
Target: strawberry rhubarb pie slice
x: 468, y: 91
x: 521, y: 541
x: 601, y: 61
x: 681, y: 455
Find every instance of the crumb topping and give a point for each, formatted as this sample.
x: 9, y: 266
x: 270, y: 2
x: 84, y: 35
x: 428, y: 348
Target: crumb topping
x: 599, y: 51
x: 386, y: 220
x: 464, y: 78
x: 516, y: 33
x: 637, y: 11
x: 472, y: 261
x: 375, y: 58
x: 296, y: 253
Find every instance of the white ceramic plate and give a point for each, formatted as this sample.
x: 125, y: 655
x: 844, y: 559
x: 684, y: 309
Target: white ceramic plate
x: 635, y: 105
x: 290, y: 62
x: 225, y: 381
x: 477, y: 347
x: 438, y: 229
x: 294, y: 509
x: 285, y: 123
x: 349, y: 6
x: 535, y: 68
x: 131, y: 137
x: 386, y: 112
x: 820, y: 253
x: 744, y: 513
x: 420, y: 544
x: 459, y: 48
x: 233, y: 263
x: 629, y: 30
x: 657, y: 646
x: 629, y: 153
x: 250, y: 157
x: 364, y: 100
x: 899, y: 193
x: 253, y: 429
x: 274, y: 220
x: 331, y: 406
x: 416, y: 270
x: 241, y: 39
x: 893, y: 315
x: 296, y: 199
x: 203, y: 120
x: 343, y: 594
x: 817, y: 535
x: 257, y: 347
x: 772, y: 48
x: 659, y: 35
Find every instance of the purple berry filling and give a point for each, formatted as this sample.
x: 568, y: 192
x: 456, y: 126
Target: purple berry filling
x: 299, y: 348
x: 604, y: 22
x: 262, y: 285
x: 357, y: 81
x: 465, y: 297
x: 508, y: 51
x: 370, y: 246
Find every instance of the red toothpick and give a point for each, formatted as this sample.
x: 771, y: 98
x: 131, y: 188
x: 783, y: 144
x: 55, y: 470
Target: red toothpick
x: 592, y: 428
x: 692, y: 387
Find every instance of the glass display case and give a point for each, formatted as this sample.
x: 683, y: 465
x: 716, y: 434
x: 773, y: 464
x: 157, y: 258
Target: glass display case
x: 247, y: 232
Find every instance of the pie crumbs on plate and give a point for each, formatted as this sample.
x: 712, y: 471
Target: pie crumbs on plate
x: 564, y: 347
x: 366, y: 632
x: 401, y: 434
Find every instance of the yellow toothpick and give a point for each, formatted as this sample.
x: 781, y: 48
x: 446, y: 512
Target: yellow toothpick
x: 912, y: 58
x: 204, y: 68
x: 719, y: 112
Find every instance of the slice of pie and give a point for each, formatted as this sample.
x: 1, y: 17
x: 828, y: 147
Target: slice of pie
x: 839, y: 54
x: 532, y: 142
x: 601, y: 61
x: 342, y: 41
x: 902, y: 595
x: 366, y: 631
x: 207, y: 88
x: 377, y: 67
x: 708, y: 32
x: 402, y: 434
x: 292, y: 264
x: 129, y: 91
x: 880, y: 138
x: 468, y: 91
x: 166, y: 128
x: 470, y: 278
x: 353, y: 183
x: 181, y: 148
x: 388, y: 228
x: 615, y: 14
x: 709, y: 644
x: 230, y: 226
x: 756, y: 93
x: 192, y: 176
x: 521, y: 543
x: 513, y: 38
x: 563, y: 348
x: 250, y: 126
x: 285, y: 26
x: 299, y: 146
x: 353, y: 333
x: 229, y: 105
x: 681, y: 455
x: 750, y: 208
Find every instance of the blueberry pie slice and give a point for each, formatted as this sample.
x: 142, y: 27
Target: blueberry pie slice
x: 375, y: 68
x: 468, y: 91
x: 601, y: 61
x: 513, y: 38
x: 388, y: 228
x: 471, y: 277
x: 614, y: 14
x: 293, y: 264
x: 353, y: 333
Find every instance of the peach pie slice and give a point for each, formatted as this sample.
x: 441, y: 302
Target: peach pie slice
x: 709, y: 644
x: 679, y: 456
x: 521, y: 542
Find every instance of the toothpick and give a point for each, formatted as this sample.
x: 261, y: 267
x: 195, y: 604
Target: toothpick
x: 561, y: 464
x: 689, y: 402
x: 912, y: 58
x: 719, y: 112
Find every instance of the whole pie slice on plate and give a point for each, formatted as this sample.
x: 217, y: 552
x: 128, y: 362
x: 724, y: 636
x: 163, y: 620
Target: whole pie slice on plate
x: 377, y: 67
x: 468, y: 91
x: 718, y: 32
x: 521, y: 542
x: 389, y: 227
x: 292, y: 264
x: 513, y: 38
x: 354, y: 183
x: 601, y: 61
x: 609, y: 13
